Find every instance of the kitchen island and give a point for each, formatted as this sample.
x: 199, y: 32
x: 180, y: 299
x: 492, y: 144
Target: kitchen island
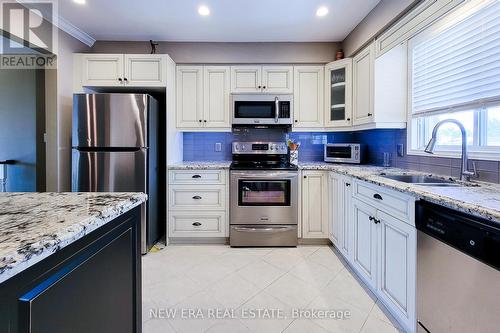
x: 70, y: 262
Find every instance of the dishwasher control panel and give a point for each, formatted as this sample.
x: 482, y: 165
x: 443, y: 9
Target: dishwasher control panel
x: 472, y: 235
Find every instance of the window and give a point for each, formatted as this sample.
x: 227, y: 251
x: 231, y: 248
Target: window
x: 454, y: 72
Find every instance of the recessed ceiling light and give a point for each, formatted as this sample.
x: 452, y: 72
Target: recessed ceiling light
x: 203, y: 11
x: 80, y: 2
x: 322, y: 11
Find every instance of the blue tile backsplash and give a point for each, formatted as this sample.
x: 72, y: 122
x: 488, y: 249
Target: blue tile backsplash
x: 200, y: 146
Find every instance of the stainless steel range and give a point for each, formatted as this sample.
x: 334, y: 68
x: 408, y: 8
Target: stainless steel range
x: 264, y: 195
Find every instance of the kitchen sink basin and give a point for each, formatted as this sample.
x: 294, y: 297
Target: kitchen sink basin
x: 422, y: 180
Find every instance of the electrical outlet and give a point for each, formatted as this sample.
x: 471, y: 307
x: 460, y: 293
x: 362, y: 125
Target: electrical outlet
x: 400, y: 149
x: 218, y: 146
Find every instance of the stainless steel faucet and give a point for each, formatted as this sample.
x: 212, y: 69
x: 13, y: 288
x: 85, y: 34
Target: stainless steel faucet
x: 465, y: 173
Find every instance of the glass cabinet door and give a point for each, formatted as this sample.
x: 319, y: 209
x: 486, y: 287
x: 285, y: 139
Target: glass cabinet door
x: 338, y: 93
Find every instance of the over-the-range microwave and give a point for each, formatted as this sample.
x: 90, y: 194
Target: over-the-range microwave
x: 261, y: 109
x: 344, y: 153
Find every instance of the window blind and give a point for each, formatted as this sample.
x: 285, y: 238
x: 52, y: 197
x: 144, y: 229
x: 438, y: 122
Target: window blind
x: 459, y: 65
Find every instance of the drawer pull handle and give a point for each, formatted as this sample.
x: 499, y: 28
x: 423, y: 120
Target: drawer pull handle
x: 377, y: 196
x: 371, y: 218
x: 197, y: 224
x: 376, y: 221
x: 347, y: 184
x: 196, y: 176
x: 196, y: 197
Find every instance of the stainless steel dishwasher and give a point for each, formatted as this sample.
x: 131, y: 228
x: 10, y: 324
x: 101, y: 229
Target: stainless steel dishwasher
x: 458, y: 271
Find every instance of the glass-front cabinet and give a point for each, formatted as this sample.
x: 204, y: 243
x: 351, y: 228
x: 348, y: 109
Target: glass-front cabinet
x: 338, y: 92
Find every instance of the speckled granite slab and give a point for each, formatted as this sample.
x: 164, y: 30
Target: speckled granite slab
x: 482, y: 200
x: 204, y: 165
x: 35, y: 225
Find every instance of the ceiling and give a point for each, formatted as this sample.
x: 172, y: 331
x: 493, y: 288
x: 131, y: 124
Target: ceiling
x: 229, y: 20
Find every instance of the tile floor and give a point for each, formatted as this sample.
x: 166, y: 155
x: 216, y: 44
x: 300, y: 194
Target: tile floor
x: 258, y: 289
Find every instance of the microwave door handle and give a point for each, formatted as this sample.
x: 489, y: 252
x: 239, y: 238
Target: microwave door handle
x: 276, y: 109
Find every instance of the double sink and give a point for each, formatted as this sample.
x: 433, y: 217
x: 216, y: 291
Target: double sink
x: 425, y: 180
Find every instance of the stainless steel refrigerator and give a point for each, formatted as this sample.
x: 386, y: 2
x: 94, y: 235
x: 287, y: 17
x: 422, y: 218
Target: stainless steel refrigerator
x: 115, y: 149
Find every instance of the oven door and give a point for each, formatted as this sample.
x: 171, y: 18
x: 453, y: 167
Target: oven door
x: 264, y: 197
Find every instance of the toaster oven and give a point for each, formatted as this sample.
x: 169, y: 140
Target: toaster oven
x: 344, y: 153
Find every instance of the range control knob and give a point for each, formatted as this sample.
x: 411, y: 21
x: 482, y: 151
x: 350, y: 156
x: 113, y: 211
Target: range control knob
x: 237, y: 147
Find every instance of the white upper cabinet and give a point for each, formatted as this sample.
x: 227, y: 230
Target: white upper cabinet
x: 338, y: 93
x: 277, y: 79
x: 261, y: 79
x: 203, y: 98
x: 391, y: 91
x: 246, y: 79
x: 363, y: 85
x: 216, y: 85
x: 119, y: 70
x: 308, y: 97
x: 102, y: 70
x: 144, y: 70
x: 189, y: 96
x: 315, y: 204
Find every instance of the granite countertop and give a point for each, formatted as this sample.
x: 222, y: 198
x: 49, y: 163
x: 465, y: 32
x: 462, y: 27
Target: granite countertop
x: 482, y: 200
x: 204, y: 165
x: 35, y: 225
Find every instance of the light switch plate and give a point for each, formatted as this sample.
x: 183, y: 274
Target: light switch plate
x: 218, y: 146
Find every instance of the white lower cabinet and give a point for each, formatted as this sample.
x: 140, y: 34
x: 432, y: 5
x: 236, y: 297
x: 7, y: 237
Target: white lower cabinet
x: 378, y: 242
x: 197, y: 224
x: 345, y: 209
x: 198, y: 203
x: 335, y: 211
x: 364, y: 258
x: 397, y: 253
x: 340, y: 230
x: 314, y: 204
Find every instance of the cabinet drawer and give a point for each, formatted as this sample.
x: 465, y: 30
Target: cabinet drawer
x: 196, y: 197
x: 187, y: 224
x: 197, y: 177
x: 392, y: 202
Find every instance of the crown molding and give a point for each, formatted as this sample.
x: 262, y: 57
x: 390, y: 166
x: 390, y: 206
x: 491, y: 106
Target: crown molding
x: 75, y: 32
x: 62, y: 24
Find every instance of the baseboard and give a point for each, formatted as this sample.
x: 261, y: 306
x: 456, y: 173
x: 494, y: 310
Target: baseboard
x: 198, y: 240
x: 314, y: 241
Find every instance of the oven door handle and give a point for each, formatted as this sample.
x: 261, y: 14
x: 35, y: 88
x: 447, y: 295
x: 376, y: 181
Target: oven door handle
x: 272, y: 229
x: 276, y: 109
x: 246, y: 175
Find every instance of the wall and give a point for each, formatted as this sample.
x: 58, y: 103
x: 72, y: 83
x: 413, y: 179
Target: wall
x: 220, y: 53
x: 58, y: 113
x: 382, y: 16
x: 67, y: 46
x: 200, y: 146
